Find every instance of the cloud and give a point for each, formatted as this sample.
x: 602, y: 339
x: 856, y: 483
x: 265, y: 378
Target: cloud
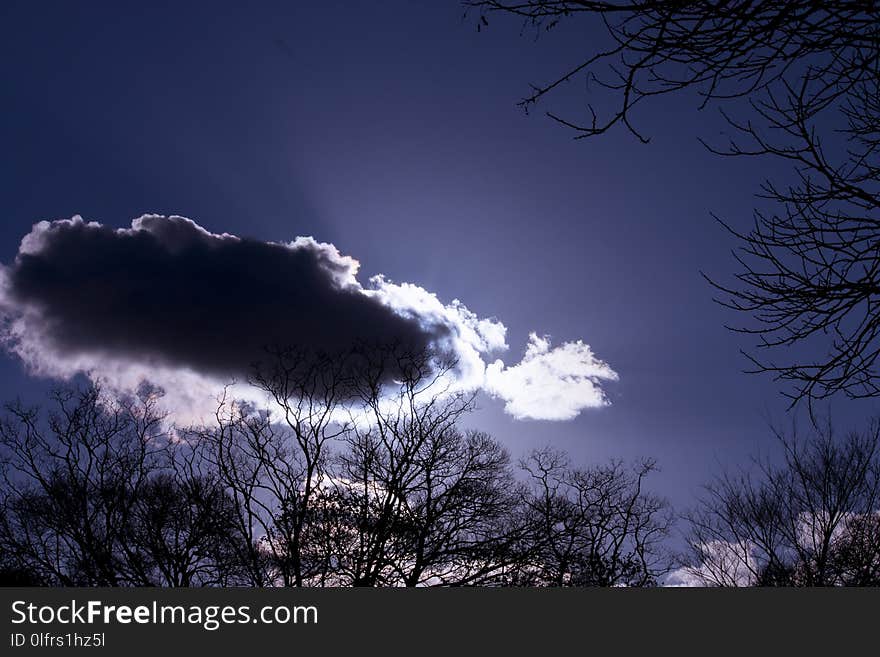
x: 550, y: 384
x: 170, y: 303
x: 168, y: 292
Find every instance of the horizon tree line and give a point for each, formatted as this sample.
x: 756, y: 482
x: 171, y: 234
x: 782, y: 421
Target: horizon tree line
x: 362, y: 473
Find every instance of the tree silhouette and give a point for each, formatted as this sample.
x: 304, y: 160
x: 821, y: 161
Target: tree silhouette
x: 592, y: 526
x: 91, y: 496
x: 272, y: 463
x: 811, y: 520
x: 388, y: 446
x: 361, y: 474
x: 797, y: 81
x: 432, y: 501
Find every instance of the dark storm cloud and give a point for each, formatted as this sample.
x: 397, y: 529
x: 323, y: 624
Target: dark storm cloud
x: 169, y: 303
x: 167, y: 291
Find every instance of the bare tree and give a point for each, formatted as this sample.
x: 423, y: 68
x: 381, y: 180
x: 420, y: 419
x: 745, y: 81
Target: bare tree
x: 723, y: 50
x: 90, y: 496
x: 364, y: 477
x: 443, y: 519
x: 811, y: 271
x: 812, y: 519
x: 272, y: 463
x: 69, y: 487
x: 183, y: 527
x: 420, y: 501
x: 803, y: 78
x: 593, y: 527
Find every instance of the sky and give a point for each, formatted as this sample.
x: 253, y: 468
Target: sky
x: 388, y: 133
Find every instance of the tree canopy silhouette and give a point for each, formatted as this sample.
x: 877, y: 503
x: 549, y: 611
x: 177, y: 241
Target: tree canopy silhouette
x: 347, y: 479
x: 812, y: 519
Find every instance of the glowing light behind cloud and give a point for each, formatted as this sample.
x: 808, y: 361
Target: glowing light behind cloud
x: 157, y: 303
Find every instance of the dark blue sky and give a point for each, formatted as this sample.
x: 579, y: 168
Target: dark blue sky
x: 390, y: 129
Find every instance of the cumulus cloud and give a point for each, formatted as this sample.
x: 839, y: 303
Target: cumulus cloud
x: 168, y: 292
x: 550, y: 384
x: 170, y: 303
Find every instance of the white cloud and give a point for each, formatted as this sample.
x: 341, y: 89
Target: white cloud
x: 550, y: 383
x: 470, y: 337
